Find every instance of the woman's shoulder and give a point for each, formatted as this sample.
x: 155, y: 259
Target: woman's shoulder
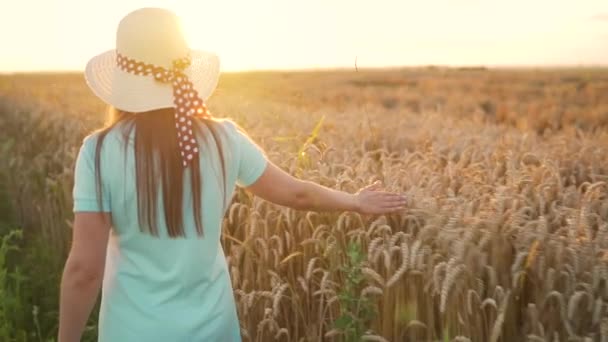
x: 236, y: 137
x: 229, y: 127
x: 233, y: 127
x: 117, y: 134
x: 227, y: 124
x: 89, y: 142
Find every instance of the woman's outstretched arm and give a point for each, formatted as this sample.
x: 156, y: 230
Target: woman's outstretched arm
x: 279, y: 187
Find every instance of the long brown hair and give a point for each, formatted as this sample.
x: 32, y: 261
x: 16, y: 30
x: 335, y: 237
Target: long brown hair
x: 157, y: 159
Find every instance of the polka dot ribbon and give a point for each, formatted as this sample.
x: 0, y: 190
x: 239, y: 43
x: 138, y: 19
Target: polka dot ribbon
x: 187, y: 102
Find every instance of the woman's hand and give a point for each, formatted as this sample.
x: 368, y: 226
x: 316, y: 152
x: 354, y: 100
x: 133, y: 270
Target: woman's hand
x: 372, y: 200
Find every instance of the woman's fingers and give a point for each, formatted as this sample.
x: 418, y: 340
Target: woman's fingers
x: 377, y: 201
x: 396, y: 201
x: 388, y: 197
x: 388, y: 194
x: 394, y: 206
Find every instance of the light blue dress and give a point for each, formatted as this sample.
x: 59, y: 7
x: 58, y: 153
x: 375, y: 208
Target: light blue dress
x: 157, y: 288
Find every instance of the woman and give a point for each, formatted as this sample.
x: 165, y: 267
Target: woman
x: 151, y: 190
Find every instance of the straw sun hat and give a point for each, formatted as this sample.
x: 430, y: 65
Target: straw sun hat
x: 153, y: 37
x: 152, y: 67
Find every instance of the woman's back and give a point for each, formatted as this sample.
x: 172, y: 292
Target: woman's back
x: 157, y: 286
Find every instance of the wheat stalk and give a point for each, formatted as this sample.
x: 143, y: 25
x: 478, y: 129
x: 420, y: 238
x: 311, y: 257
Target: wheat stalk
x: 374, y: 275
x: 402, y: 269
x: 450, y: 279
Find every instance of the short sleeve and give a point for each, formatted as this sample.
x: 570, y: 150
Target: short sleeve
x: 85, y: 189
x: 252, y: 160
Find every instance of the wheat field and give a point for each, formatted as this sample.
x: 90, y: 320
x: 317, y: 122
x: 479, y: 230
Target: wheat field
x: 505, y: 237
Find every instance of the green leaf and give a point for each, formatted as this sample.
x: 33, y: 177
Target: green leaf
x: 313, y: 135
x: 343, y: 322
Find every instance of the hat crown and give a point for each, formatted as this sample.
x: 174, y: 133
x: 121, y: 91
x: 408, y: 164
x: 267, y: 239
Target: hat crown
x: 153, y: 36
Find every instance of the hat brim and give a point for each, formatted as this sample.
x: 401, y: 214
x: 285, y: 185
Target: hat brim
x: 136, y: 93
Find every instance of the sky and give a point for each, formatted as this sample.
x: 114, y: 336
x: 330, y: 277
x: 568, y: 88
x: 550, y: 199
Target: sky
x: 60, y: 35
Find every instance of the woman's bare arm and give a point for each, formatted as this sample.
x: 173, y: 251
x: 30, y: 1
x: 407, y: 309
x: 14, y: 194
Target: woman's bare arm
x: 279, y: 187
x: 83, y: 273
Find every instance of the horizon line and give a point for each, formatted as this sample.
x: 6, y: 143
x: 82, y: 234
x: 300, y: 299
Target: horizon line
x: 356, y: 68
